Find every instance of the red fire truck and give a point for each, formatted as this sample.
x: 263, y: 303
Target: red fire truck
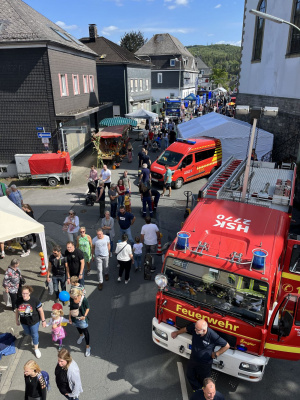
x: 235, y: 265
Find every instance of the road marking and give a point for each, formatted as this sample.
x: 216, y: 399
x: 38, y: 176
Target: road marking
x: 182, y: 381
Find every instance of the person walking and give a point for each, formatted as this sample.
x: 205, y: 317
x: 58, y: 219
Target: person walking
x: 74, y: 262
x: 156, y: 196
x: 208, y: 391
x: 12, y: 282
x: 84, y: 243
x: 121, y: 193
x: 141, y: 156
x: 100, y: 253
x: 145, y: 176
x: 204, y: 341
x: 71, y: 225
x: 167, y: 181
x: 137, y: 253
x: 35, y: 385
x: 129, y: 152
x: 15, y: 196
x: 67, y: 376
x: 126, y: 181
x: 101, y: 198
x: 149, y: 237
x: 147, y: 159
x: 113, y: 196
x: 125, y: 220
x: 78, y: 316
x: 57, y: 271
x: 125, y: 258
x: 105, y: 175
x: 108, y: 227
x: 29, y: 313
x: 146, y: 198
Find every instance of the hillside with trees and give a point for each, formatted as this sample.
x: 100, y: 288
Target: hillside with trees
x: 222, y: 56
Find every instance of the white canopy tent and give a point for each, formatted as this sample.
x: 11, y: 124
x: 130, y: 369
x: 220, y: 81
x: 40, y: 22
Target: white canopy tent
x: 141, y: 113
x: 16, y: 223
x: 234, y: 135
x: 220, y: 89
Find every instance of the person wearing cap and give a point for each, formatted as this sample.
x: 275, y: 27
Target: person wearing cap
x: 145, y: 175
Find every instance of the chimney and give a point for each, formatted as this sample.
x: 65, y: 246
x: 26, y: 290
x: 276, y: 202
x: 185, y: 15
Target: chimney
x: 93, y: 32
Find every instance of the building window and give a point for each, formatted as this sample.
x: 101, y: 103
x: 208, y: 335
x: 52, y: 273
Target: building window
x: 131, y: 85
x: 92, y: 85
x: 295, y: 34
x: 259, y: 32
x: 136, y: 85
x: 63, y: 84
x: 202, y: 72
x: 172, y: 62
x: 141, y: 85
x: 85, y: 84
x: 159, y: 77
x: 147, y: 84
x: 76, y: 88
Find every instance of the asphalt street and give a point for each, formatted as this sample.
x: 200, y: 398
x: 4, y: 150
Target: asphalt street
x: 124, y: 361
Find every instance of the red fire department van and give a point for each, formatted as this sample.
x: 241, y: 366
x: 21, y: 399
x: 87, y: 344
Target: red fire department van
x: 235, y: 265
x: 188, y: 159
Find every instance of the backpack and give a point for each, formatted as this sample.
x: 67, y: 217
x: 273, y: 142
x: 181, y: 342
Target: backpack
x: 46, y: 378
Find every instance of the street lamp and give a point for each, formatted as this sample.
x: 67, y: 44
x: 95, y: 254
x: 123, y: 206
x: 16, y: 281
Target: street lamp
x: 179, y: 85
x: 255, y: 112
x: 272, y: 18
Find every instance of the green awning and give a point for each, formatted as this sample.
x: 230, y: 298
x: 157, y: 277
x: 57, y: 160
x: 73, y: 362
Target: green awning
x: 117, y: 121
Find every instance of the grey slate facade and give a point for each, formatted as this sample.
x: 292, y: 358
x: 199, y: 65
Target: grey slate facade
x: 118, y: 71
x: 38, y: 64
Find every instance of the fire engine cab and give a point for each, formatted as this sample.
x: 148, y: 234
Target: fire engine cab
x: 235, y: 265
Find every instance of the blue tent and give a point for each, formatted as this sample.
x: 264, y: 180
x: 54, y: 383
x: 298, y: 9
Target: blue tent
x: 190, y: 97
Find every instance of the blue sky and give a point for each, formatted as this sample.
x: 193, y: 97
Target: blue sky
x: 191, y: 21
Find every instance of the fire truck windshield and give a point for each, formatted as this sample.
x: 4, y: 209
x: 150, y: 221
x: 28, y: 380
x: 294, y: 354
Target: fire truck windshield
x: 217, y: 290
x: 173, y: 104
x: 169, y: 158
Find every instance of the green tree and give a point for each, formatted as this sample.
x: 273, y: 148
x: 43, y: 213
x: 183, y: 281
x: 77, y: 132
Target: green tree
x: 220, y: 77
x: 133, y: 41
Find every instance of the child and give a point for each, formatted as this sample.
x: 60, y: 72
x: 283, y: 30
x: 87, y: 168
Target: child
x: 137, y: 254
x: 75, y: 284
x: 127, y: 201
x: 57, y: 320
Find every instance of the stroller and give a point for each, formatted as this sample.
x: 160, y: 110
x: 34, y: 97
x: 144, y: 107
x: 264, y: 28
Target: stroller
x: 91, y: 195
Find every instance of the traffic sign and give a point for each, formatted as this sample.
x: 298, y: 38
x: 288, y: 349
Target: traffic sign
x: 44, y: 135
x: 40, y: 128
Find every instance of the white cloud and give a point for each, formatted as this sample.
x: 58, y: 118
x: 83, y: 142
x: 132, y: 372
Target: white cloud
x: 237, y: 43
x: 218, y: 6
x: 66, y: 27
x: 108, y: 30
x: 176, y: 3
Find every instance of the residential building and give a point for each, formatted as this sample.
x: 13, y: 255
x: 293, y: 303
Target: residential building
x: 204, y: 74
x: 269, y: 71
x: 123, y: 78
x: 174, y: 71
x: 48, y: 79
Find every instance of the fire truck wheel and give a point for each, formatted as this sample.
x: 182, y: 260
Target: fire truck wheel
x: 52, y: 181
x: 178, y: 184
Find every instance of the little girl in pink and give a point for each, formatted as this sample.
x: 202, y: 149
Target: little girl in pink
x: 57, y: 320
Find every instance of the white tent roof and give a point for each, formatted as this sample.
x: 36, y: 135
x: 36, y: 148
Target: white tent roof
x: 220, y: 89
x: 234, y: 134
x: 141, y: 113
x: 16, y: 223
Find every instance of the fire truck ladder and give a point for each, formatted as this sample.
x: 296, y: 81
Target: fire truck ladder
x: 223, y: 177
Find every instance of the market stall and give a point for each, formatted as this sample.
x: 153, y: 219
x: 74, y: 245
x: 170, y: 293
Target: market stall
x: 111, y: 143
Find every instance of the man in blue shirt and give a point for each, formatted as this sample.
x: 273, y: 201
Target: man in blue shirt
x: 15, y: 196
x: 204, y: 341
x: 126, y: 219
x: 208, y: 391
